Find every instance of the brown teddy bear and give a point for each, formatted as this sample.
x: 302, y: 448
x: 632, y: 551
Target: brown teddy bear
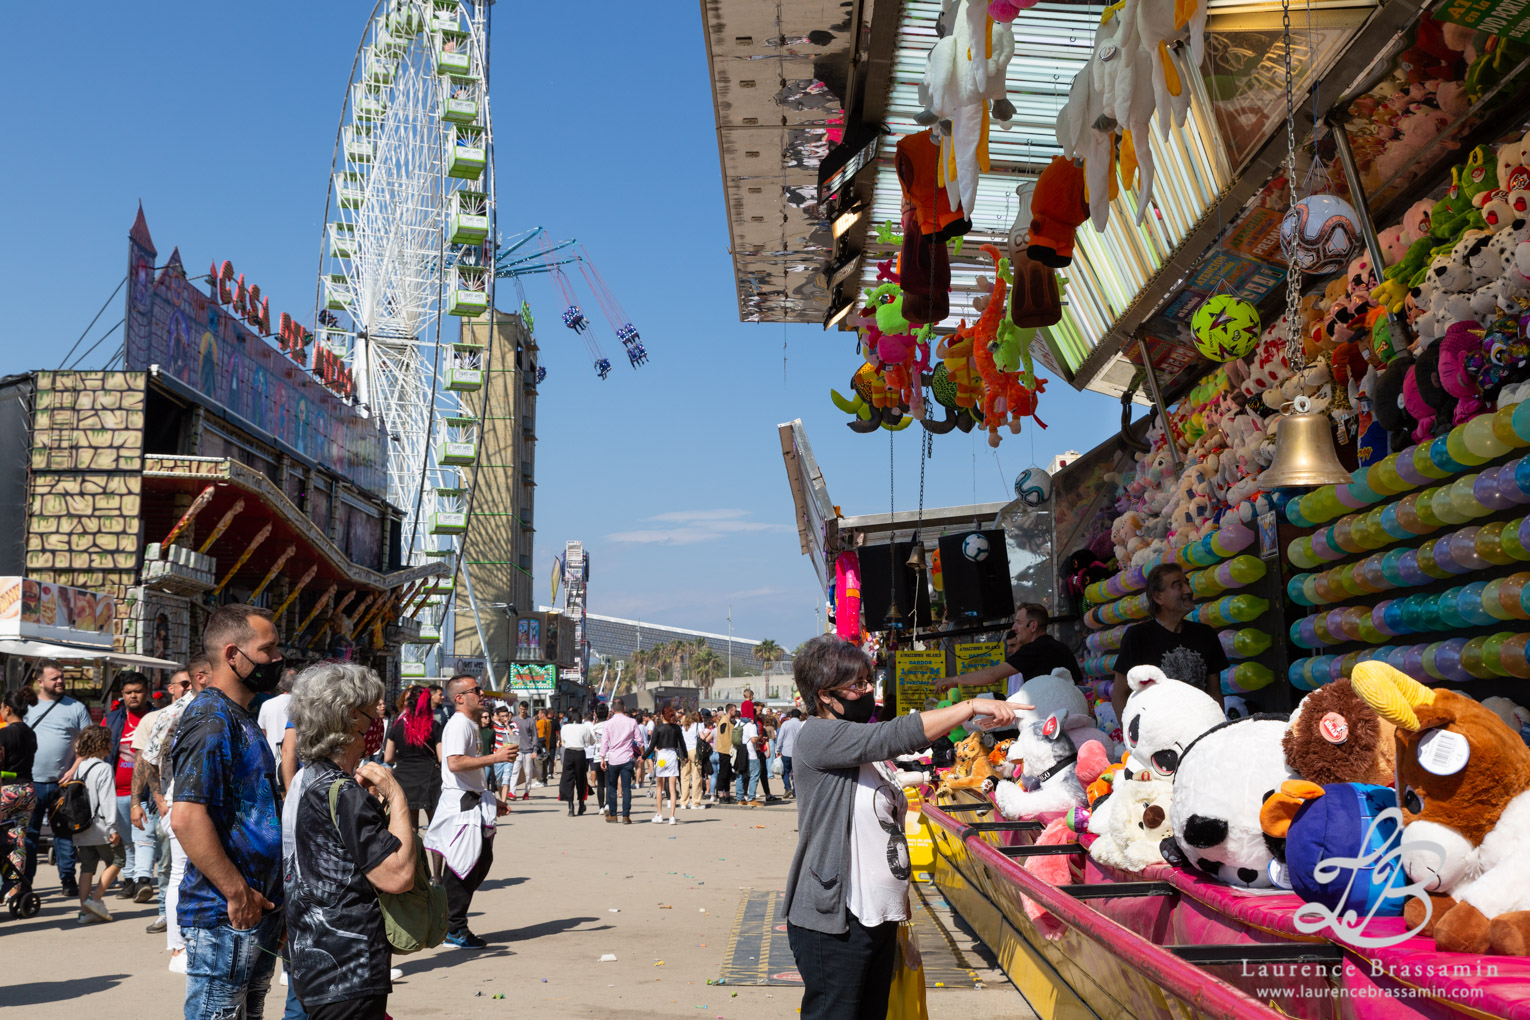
x: 1335, y: 737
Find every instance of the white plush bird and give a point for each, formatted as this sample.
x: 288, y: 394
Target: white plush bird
x: 965, y: 70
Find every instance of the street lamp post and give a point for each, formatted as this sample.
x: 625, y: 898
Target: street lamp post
x: 730, y: 642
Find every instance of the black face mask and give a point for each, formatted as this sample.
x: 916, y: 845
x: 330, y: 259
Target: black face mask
x: 859, y: 710
x: 263, y: 676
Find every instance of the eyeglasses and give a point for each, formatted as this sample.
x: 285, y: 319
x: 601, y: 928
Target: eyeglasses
x: 475, y: 690
x: 859, y: 687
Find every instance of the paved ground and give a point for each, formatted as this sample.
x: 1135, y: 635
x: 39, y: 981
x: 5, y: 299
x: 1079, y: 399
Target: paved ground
x: 665, y: 900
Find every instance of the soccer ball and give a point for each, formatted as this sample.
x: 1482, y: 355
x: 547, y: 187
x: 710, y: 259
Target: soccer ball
x: 1320, y: 234
x: 1033, y: 487
x: 1225, y: 328
x: 975, y: 547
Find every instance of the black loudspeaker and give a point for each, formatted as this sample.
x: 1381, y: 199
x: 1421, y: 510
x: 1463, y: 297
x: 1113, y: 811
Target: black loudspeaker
x: 975, y: 568
x: 879, y: 573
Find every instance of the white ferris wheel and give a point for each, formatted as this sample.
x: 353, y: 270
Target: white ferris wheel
x: 409, y: 239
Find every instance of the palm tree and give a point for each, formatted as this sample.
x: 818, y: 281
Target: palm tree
x: 768, y: 653
x: 706, y: 664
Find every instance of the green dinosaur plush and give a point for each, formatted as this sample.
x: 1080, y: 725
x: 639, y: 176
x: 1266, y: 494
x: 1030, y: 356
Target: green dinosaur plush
x: 1399, y: 278
x: 1479, y: 173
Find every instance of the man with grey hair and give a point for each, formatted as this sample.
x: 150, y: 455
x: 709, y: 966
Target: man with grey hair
x: 462, y: 830
x: 339, y: 850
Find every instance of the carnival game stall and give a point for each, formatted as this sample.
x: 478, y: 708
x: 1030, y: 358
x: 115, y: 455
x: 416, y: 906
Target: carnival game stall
x: 1333, y: 335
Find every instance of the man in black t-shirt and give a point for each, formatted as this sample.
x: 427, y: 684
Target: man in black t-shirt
x: 1035, y: 653
x: 1183, y: 649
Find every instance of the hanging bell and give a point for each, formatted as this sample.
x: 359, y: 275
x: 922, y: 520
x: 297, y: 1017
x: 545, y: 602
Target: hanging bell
x: 894, y: 618
x: 916, y: 557
x: 1304, y: 451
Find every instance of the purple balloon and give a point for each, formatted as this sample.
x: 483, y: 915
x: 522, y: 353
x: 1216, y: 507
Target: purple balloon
x: 1307, y: 630
x: 1410, y: 474
x: 1413, y: 662
x: 1489, y: 493
x: 1447, y: 658
x: 1508, y: 482
x: 1463, y: 550
x: 1346, y: 498
x: 1446, y: 558
x: 1412, y: 573
x: 1336, y: 668
x: 1397, y: 658
x: 1379, y: 617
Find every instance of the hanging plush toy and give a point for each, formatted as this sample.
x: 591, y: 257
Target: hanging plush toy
x: 964, y: 71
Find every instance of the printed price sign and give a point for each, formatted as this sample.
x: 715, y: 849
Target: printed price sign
x: 915, y: 674
x: 973, y: 657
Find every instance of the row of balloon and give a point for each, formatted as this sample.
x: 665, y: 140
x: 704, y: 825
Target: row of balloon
x: 1469, y: 549
x: 1477, y: 604
x: 1457, y: 660
x: 1230, y: 539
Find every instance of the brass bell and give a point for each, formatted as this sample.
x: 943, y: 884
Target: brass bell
x: 916, y: 557
x: 1304, y: 452
x: 894, y: 618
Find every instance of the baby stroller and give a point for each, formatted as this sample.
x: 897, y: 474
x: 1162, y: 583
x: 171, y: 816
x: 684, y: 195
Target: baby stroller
x: 21, y: 900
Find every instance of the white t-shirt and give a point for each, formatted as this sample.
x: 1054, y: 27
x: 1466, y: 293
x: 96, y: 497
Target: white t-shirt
x: 273, y: 721
x: 786, y: 737
x: 578, y: 736
x: 751, y: 732
x: 460, y: 737
x: 689, y: 733
x: 879, y: 861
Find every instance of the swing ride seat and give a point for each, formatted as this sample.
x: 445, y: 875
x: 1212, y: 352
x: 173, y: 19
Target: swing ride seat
x: 337, y: 293
x: 464, y: 380
x: 603, y: 367
x: 350, y: 189
x: 342, y: 240
x: 460, y: 111
x: 448, y: 522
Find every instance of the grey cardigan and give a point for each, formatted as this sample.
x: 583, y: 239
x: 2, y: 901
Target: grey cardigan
x: 825, y: 771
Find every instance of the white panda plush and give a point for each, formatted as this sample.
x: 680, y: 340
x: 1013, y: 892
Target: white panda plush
x: 1162, y: 718
x: 1224, y: 779
x: 1049, y: 757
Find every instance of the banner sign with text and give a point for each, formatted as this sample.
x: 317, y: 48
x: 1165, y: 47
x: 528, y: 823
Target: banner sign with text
x: 973, y: 657
x: 915, y: 675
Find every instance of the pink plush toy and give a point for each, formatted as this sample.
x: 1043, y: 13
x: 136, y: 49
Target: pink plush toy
x: 1416, y: 406
x: 1461, y: 340
x: 1008, y: 10
x: 1052, y: 869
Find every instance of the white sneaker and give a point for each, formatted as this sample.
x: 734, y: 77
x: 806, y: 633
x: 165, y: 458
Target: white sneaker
x: 98, y: 908
x: 658, y: 819
x: 178, y: 964
x: 672, y: 819
x: 394, y: 974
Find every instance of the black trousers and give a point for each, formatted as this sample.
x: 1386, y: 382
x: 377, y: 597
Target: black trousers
x: 741, y: 763
x: 459, y: 891
x: 764, y: 774
x: 846, y: 976
x: 600, y: 785
x: 724, y: 775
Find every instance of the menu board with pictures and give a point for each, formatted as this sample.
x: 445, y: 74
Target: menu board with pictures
x: 54, y: 612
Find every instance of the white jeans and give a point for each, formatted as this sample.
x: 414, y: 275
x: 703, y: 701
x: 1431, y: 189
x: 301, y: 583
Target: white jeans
x: 173, y: 940
x: 525, y: 765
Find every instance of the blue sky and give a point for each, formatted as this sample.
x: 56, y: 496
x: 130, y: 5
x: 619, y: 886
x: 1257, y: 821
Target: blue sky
x: 221, y: 118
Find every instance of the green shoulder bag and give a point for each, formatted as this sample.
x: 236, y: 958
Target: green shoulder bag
x: 416, y: 919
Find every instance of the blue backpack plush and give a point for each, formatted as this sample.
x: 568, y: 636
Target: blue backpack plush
x: 1341, y: 822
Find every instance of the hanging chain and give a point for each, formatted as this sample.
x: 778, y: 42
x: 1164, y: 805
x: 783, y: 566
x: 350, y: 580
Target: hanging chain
x: 1293, y: 273
x: 892, y: 545
x: 926, y: 449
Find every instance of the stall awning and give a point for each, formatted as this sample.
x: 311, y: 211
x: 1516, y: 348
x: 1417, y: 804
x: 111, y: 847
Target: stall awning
x: 78, y: 653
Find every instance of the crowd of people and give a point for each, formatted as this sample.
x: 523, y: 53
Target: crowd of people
x: 264, y: 809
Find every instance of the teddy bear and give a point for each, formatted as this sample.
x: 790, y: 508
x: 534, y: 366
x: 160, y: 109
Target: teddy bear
x: 1335, y: 737
x: 1225, y: 776
x: 1133, y: 829
x: 1161, y: 718
x: 1463, y: 784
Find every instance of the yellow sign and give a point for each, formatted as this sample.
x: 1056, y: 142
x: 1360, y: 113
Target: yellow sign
x: 915, y: 674
x: 972, y: 657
